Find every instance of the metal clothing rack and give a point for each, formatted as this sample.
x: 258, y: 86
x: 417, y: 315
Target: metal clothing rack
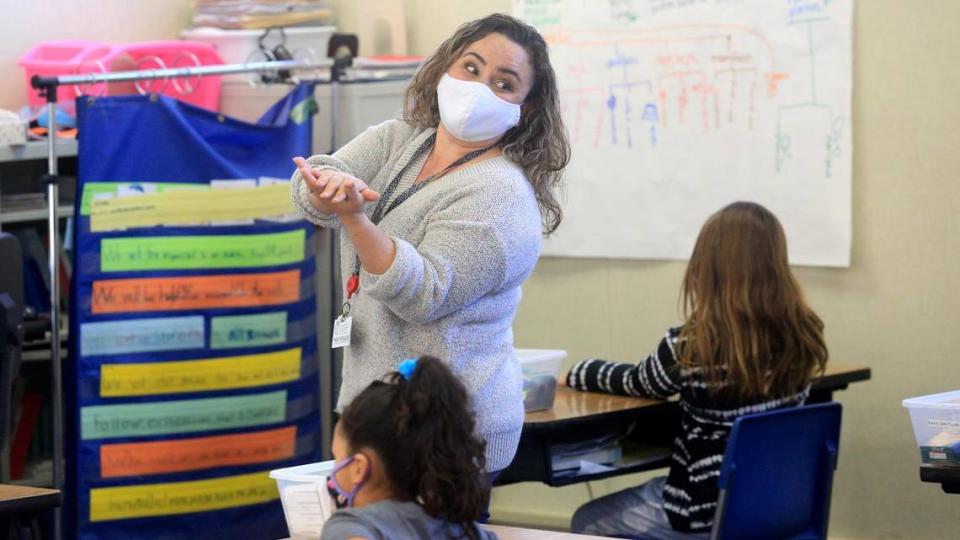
x: 48, y: 86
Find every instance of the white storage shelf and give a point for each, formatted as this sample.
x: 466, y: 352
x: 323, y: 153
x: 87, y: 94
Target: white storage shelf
x: 38, y: 474
x: 37, y: 150
x: 40, y: 214
x: 33, y: 150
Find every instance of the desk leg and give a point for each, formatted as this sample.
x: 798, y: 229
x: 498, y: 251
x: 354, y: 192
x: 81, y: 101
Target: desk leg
x: 21, y: 527
x: 951, y: 488
x: 822, y: 395
x: 546, y: 457
x: 531, y: 463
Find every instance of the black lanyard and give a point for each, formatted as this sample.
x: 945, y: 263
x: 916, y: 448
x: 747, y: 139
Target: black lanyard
x: 382, y: 208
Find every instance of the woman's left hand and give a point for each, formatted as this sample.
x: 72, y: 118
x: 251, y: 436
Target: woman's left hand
x: 335, y: 192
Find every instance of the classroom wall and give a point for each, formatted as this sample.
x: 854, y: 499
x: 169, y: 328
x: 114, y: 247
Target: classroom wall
x: 894, y: 309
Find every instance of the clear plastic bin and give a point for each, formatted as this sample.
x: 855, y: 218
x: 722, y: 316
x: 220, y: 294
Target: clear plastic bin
x: 936, y: 426
x: 307, y: 503
x: 541, y: 369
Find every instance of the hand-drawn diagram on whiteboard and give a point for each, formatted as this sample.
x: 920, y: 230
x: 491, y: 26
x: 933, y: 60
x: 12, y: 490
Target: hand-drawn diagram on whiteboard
x: 677, y: 107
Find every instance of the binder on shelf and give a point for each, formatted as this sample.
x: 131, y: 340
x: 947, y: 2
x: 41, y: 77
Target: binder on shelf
x: 26, y: 434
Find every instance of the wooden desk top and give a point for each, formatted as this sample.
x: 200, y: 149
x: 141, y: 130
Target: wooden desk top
x: 16, y: 499
x: 514, y: 533
x: 517, y: 533
x: 571, y: 404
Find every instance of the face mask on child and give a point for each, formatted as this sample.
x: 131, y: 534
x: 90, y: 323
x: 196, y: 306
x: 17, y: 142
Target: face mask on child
x: 472, y: 112
x: 341, y: 497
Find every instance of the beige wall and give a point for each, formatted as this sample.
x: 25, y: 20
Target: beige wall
x: 894, y: 309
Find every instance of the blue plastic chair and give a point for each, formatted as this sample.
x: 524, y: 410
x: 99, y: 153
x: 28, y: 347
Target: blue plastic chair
x: 777, y: 474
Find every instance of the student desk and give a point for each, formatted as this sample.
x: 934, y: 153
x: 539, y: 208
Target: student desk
x: 514, y: 533
x: 947, y: 477
x: 19, y: 508
x: 647, y: 428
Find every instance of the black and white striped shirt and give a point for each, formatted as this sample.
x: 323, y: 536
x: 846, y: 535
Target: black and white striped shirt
x: 690, y: 494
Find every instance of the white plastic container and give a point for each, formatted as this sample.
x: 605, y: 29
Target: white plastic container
x: 541, y: 369
x: 936, y: 426
x: 236, y: 46
x: 307, y: 503
x: 13, y: 130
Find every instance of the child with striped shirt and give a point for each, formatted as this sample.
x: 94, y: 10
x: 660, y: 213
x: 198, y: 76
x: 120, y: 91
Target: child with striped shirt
x: 749, y: 344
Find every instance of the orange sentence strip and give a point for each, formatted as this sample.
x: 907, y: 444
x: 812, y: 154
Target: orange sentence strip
x: 135, y: 459
x: 194, y: 292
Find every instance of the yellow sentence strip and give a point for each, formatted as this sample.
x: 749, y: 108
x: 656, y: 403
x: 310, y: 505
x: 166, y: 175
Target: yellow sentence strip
x: 181, y: 497
x: 153, y: 378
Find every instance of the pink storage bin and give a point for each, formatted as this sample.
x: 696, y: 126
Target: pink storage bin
x: 56, y: 58
x: 200, y: 91
x: 72, y: 57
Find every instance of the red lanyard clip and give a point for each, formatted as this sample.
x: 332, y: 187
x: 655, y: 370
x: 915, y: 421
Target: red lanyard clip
x: 353, y: 285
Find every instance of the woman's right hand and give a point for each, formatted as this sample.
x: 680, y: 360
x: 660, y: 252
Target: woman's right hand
x: 334, y: 192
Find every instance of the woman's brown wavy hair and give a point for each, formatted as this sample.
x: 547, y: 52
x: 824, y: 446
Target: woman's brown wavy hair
x: 539, y: 143
x: 748, y: 328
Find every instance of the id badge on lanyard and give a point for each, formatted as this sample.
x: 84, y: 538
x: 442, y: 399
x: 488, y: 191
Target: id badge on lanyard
x: 343, y: 325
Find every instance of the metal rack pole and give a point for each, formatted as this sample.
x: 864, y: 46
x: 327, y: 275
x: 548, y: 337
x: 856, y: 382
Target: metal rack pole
x: 148, y: 74
x: 53, y: 242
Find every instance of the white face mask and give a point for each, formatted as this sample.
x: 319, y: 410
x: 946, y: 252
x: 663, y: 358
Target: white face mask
x: 472, y: 112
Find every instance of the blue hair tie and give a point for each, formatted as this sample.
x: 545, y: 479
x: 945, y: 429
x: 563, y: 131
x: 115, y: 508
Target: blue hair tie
x: 407, y: 367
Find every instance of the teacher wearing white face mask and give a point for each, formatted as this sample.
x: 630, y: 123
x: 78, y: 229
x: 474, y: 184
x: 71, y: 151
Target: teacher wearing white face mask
x: 441, y: 216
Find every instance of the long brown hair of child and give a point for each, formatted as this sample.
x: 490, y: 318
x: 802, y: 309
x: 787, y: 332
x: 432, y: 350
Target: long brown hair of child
x: 422, y: 429
x: 748, y: 328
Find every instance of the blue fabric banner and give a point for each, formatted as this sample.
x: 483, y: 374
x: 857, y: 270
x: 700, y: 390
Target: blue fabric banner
x: 206, y: 145
x: 177, y: 406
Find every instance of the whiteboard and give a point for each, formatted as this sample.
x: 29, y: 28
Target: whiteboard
x: 676, y: 108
